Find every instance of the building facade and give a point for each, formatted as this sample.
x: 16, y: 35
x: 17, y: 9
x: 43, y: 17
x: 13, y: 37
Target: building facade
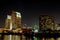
x: 46, y: 22
x: 13, y: 22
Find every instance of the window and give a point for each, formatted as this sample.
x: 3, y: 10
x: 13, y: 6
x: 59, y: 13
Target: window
x: 18, y: 14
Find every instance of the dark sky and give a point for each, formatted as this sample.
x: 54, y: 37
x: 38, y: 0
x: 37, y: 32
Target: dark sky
x: 30, y: 10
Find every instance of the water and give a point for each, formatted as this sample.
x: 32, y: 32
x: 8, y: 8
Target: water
x: 10, y: 37
x: 18, y: 37
x: 0, y: 37
x: 35, y: 38
x: 58, y: 38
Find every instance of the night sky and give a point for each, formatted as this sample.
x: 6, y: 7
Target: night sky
x: 30, y: 10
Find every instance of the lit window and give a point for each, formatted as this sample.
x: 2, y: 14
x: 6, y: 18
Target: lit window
x: 18, y: 14
x: 36, y: 30
x: 8, y: 17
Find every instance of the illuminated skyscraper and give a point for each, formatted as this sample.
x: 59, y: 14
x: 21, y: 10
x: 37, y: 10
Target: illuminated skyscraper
x: 16, y: 19
x: 7, y: 22
x: 7, y: 26
x: 46, y: 22
x: 13, y: 22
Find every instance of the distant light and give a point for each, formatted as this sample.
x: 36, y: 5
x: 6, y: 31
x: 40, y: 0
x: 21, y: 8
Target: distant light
x: 35, y: 38
x: 36, y: 30
x: 18, y: 14
x: 8, y: 17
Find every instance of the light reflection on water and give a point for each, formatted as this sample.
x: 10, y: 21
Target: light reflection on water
x: 50, y: 38
x: 46, y: 39
x: 58, y: 38
x: 0, y: 37
x: 37, y: 38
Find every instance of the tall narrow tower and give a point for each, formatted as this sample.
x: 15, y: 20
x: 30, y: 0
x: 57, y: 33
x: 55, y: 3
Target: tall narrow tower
x: 7, y: 22
x: 8, y: 26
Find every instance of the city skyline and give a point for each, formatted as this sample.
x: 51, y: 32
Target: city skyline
x: 30, y: 10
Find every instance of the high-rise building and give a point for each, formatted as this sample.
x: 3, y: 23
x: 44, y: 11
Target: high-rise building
x: 57, y: 26
x: 7, y: 22
x: 16, y: 19
x: 13, y: 22
x: 46, y: 22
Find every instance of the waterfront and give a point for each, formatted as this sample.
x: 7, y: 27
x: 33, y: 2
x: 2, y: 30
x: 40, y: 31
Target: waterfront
x: 32, y: 36
x: 37, y: 39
